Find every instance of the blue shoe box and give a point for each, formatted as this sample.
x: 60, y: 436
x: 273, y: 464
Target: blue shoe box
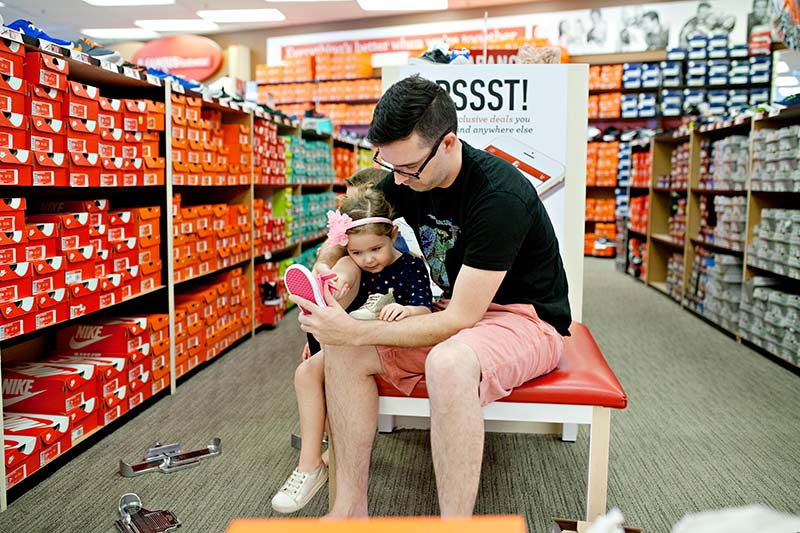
x: 718, y: 71
x: 698, y: 44
x: 693, y: 97
x: 651, y: 75
x: 759, y: 69
x: 738, y: 50
x: 718, y: 45
x: 739, y: 72
x: 759, y: 96
x: 676, y: 54
x: 738, y: 97
x: 628, y: 107
x: 671, y: 102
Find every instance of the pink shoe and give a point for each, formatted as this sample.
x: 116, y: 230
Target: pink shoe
x: 301, y: 282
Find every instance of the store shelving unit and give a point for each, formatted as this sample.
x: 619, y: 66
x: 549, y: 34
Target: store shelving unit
x: 734, y: 310
x: 239, y: 190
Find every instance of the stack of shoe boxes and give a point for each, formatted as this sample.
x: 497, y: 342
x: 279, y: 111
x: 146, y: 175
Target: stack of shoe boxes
x: 19, y: 277
x: 345, y: 162
x: 724, y: 163
x: 640, y: 177
x: 775, y: 159
x: 154, y: 165
x: 723, y: 290
x: 676, y: 223
x: 269, y: 231
x: 637, y: 257
x: 100, y: 369
x: 315, y: 223
x: 313, y: 163
x: 769, y: 315
x: 678, y: 177
x: 730, y: 215
x: 47, y: 83
x: 639, y: 212
x: 776, y: 242
x: 236, y: 137
x: 675, y: 276
x: 269, y: 154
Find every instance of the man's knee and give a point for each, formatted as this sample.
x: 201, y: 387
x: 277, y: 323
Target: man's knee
x: 357, y: 360
x: 453, y: 363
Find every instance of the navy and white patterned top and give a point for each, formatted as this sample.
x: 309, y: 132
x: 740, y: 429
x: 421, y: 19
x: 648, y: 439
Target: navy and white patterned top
x: 407, y: 276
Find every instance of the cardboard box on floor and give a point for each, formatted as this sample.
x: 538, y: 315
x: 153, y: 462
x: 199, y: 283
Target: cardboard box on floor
x: 562, y: 525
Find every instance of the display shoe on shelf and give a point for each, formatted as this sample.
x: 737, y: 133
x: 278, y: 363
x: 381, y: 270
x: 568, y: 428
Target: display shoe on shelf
x: 372, y: 307
x: 437, y: 53
x: 97, y: 51
x: 26, y: 27
x: 301, y: 282
x: 459, y: 56
x: 299, y: 489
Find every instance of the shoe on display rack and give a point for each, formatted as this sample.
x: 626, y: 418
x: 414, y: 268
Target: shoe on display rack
x: 97, y: 51
x: 372, y: 307
x: 459, y: 56
x: 299, y: 489
x: 437, y: 53
x: 26, y: 27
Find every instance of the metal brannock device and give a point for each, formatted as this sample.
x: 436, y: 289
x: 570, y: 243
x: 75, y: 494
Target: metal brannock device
x: 169, y: 458
x: 136, y: 519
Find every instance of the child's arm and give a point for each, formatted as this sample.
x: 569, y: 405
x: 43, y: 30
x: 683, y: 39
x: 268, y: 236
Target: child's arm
x: 395, y: 311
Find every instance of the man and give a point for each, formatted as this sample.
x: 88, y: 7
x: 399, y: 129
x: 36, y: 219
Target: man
x: 656, y: 36
x: 492, y: 249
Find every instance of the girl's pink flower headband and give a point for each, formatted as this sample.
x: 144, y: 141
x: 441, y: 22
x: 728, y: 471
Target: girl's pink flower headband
x: 339, y: 223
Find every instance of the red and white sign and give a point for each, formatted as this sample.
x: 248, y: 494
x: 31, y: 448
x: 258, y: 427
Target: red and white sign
x: 191, y: 56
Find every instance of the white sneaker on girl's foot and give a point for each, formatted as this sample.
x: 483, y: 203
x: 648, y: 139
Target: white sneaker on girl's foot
x: 299, y: 489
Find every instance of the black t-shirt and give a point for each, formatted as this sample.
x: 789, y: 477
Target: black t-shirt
x: 490, y: 218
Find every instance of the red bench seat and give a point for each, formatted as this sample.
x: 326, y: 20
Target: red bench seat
x: 582, y: 378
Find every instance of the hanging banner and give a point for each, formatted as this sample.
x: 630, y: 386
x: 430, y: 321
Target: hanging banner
x: 192, y: 56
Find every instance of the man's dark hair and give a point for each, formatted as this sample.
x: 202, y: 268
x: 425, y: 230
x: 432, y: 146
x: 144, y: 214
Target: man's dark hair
x: 412, y: 104
x: 703, y: 5
x: 652, y: 15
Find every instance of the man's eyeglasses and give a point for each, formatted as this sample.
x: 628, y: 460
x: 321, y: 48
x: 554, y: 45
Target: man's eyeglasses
x: 415, y: 175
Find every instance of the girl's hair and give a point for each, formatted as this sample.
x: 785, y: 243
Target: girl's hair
x: 366, y: 204
x: 367, y: 178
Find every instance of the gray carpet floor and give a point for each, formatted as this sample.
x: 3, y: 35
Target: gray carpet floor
x: 710, y: 424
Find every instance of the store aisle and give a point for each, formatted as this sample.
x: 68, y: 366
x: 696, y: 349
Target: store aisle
x: 709, y: 424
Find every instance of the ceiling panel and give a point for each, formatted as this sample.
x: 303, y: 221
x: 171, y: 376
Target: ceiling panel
x: 65, y: 18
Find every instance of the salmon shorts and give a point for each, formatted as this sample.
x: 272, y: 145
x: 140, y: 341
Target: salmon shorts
x: 512, y: 343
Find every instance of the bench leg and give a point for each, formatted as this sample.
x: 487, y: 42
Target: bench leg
x: 599, y: 437
x: 569, y: 432
x: 385, y: 423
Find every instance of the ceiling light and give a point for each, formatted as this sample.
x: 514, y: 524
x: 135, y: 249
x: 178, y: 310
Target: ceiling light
x: 117, y: 3
x: 177, y: 25
x: 120, y: 34
x: 786, y: 81
x: 405, y: 5
x: 242, y: 15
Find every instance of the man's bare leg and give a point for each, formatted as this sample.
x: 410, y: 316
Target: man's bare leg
x: 352, y: 399
x: 453, y: 373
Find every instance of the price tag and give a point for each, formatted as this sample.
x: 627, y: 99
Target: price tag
x: 80, y: 56
x: 11, y: 35
x: 153, y: 80
x: 131, y: 73
x: 47, y: 46
x: 235, y: 105
x: 774, y: 112
x: 259, y: 113
x: 223, y: 103
x: 111, y: 67
x: 178, y: 88
x: 208, y: 98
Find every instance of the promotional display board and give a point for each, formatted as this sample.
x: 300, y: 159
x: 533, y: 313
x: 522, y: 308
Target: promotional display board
x: 533, y: 116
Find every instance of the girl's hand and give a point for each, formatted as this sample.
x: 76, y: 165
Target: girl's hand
x: 394, y: 312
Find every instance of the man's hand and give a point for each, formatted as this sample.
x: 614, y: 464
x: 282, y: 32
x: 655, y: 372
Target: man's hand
x: 331, y: 324
x: 392, y: 312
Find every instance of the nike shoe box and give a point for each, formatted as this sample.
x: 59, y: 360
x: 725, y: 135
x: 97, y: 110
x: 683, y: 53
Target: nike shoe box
x: 31, y: 441
x: 67, y: 389
x: 16, y: 168
x: 51, y: 307
x: 12, y: 215
x: 111, y: 335
x: 110, y: 371
x: 46, y: 70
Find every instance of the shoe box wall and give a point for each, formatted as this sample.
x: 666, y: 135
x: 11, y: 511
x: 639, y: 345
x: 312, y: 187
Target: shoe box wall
x: 157, y: 188
x: 723, y: 227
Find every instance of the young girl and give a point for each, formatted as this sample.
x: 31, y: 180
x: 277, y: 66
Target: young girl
x: 391, y: 286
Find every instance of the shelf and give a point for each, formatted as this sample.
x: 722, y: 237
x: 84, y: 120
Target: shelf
x: 761, y: 191
x: 210, y: 272
x: 602, y: 186
x: 673, y: 138
x: 717, y: 247
x: 616, y: 119
x: 660, y: 286
x: 667, y: 239
x: 720, y: 192
x: 626, y: 90
x: 639, y: 187
x: 317, y: 185
x: 277, y: 185
x: 708, y: 320
x: 772, y: 272
x: 642, y: 233
x: 354, y: 101
x: 770, y: 354
x: 624, y: 57
x: 317, y: 81
x: 37, y: 330
x: 669, y: 189
x: 272, y: 253
x: 601, y: 221
x: 316, y: 238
